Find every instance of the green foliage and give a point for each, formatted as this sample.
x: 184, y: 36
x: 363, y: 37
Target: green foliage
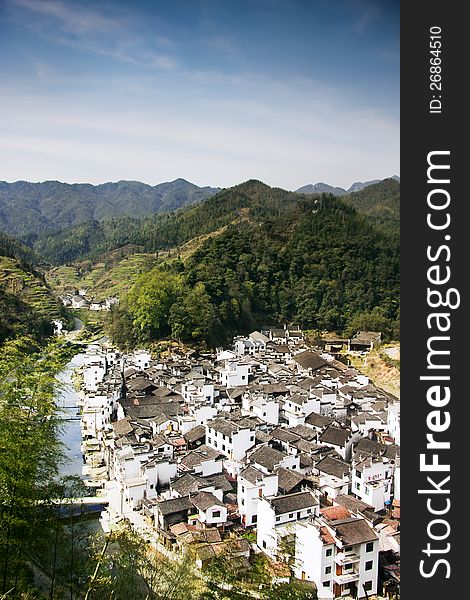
x: 288, y: 258
x: 295, y: 590
x: 129, y: 568
x: 27, y: 209
x: 150, y: 301
x: 381, y: 203
x: 29, y: 453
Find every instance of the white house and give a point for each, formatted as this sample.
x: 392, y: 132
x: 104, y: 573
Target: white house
x: 372, y: 480
x: 230, y: 438
x: 262, y: 406
x: 333, y: 477
x: 204, y: 461
x: 393, y: 421
x: 341, y: 557
x: 298, y: 407
x: 277, y: 517
x: 253, y: 485
x: 211, y: 511
x: 234, y: 374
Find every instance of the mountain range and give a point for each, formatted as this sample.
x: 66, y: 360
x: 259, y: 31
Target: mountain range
x: 324, y: 188
x: 28, y: 209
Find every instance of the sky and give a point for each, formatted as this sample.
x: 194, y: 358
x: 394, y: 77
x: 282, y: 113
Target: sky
x: 217, y: 92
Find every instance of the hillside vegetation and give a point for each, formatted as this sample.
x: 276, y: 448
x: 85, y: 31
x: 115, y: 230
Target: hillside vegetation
x: 27, y: 209
x: 280, y: 256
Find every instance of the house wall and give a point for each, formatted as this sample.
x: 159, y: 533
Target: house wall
x: 311, y: 560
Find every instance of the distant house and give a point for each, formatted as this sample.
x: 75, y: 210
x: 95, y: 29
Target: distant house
x: 365, y: 341
x: 277, y: 517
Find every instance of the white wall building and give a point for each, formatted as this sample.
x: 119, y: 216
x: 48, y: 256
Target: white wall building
x: 341, y: 557
x: 277, y: 517
x: 253, y: 485
x: 372, y: 481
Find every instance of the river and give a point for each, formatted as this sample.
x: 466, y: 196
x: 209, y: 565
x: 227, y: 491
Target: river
x: 71, y: 434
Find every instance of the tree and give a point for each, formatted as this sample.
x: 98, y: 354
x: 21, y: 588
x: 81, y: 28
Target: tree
x: 150, y: 300
x: 192, y: 319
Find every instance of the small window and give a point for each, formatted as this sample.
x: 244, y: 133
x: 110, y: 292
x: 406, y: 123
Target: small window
x: 369, y: 565
x: 358, y: 474
x: 327, y: 570
x: 264, y: 544
x: 243, y: 488
x: 291, y: 515
x: 326, y: 584
x: 216, y: 513
x: 348, y: 549
x: 368, y: 586
x: 329, y: 551
x: 278, y: 518
x: 254, y: 518
x: 369, y: 546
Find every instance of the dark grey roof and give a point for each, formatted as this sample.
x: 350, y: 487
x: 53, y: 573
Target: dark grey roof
x: 205, y: 500
x: 304, y: 432
x: 332, y: 466
x: 252, y: 474
x: 196, y: 457
x: 224, y: 426
x: 186, y: 484
x: 293, y: 502
x: 267, y: 457
x: 367, y: 447
x: 335, y: 435
x: 284, y: 435
x: 196, y: 433
x: 288, y: 479
x: 140, y: 384
x: 354, y: 531
x: 168, y: 507
x: 317, y: 420
x: 309, y: 360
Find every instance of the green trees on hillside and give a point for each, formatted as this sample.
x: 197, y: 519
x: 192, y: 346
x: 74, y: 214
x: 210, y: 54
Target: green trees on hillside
x: 318, y: 263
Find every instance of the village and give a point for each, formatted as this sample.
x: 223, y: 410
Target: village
x: 273, y: 446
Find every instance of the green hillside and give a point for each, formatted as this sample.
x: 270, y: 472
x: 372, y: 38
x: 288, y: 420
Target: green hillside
x: 279, y: 256
x: 27, y: 209
x: 381, y: 203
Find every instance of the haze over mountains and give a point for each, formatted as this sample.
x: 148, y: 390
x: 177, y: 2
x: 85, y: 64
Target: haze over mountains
x: 28, y: 209
x: 324, y: 188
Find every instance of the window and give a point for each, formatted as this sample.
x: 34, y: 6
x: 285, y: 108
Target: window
x: 243, y: 488
x: 309, y: 510
x: 329, y: 551
x: 357, y: 485
x: 368, y: 586
x: 291, y: 515
x: 326, y: 584
x: 252, y: 438
x: 348, y: 549
x: 216, y: 513
x: 327, y: 570
x: 358, y: 474
x: 369, y: 565
x: 243, y: 502
x: 278, y: 518
x: 369, y: 546
x: 264, y: 543
x: 254, y: 518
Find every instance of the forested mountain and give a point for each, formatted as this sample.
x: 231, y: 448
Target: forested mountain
x: 324, y: 188
x: 27, y: 305
x: 381, y: 203
x: 279, y: 256
x: 321, y: 188
x: 28, y: 208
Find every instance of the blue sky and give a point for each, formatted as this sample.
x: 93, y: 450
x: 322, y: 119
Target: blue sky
x: 214, y: 91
